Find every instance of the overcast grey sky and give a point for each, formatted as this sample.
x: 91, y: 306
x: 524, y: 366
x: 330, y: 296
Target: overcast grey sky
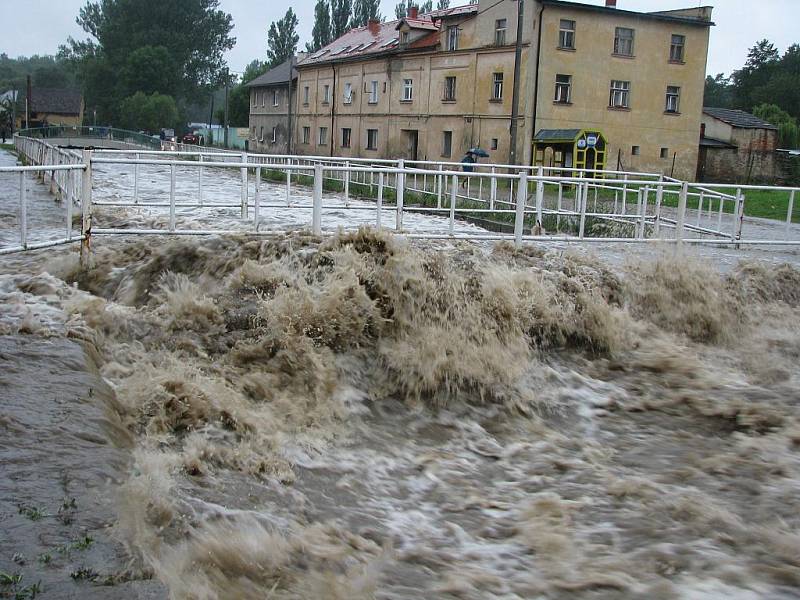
x: 740, y: 23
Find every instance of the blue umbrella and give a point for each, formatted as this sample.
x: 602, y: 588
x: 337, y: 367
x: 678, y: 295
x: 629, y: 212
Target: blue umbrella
x: 479, y: 152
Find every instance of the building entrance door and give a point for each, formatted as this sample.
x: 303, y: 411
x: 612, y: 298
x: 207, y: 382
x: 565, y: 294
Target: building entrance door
x: 412, y: 143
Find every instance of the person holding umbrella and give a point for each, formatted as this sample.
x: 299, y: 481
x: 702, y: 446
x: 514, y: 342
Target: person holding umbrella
x: 470, y: 158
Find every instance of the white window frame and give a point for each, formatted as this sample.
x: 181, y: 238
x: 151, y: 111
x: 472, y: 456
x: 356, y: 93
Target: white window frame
x: 263, y: 99
x: 623, y: 43
x: 494, y: 144
x: 620, y: 96
x: 408, y: 90
x: 349, y: 131
x: 373, y: 92
x: 274, y: 97
x: 306, y: 135
x: 348, y: 93
x: 322, y: 137
x: 500, y: 28
x: 447, y: 143
x: 677, y: 48
x: 274, y: 134
x: 673, y: 100
x: 326, y: 94
x: 372, y: 133
x: 261, y: 134
x: 452, y: 96
x: 452, y: 37
x: 405, y: 37
x: 497, y: 86
x: 566, y: 34
x: 563, y: 89
x: 305, y: 95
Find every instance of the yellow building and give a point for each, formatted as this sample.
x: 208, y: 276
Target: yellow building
x: 52, y: 106
x: 431, y: 86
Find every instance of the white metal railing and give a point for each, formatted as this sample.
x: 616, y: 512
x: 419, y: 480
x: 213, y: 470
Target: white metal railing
x: 527, y: 198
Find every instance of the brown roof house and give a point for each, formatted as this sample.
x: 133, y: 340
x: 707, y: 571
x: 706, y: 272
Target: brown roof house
x: 736, y: 147
x: 53, y: 106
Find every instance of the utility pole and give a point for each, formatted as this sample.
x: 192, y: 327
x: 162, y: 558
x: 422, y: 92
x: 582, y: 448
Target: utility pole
x: 512, y: 151
x: 28, y: 93
x: 227, y: 86
x: 289, y: 108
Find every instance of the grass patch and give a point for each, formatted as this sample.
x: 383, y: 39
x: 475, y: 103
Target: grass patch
x: 34, y: 513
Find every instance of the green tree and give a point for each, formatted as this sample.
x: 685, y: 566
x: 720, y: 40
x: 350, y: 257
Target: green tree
x: 442, y: 4
x: 282, y: 39
x: 150, y: 69
x: 149, y: 112
x: 321, y: 32
x: 718, y: 92
x: 788, y: 132
x: 401, y: 9
x: 426, y: 7
x: 755, y: 74
x: 239, y: 100
x: 363, y: 11
x: 340, y: 17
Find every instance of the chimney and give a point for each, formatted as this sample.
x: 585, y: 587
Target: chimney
x: 374, y: 26
x: 611, y: 3
x: 413, y: 12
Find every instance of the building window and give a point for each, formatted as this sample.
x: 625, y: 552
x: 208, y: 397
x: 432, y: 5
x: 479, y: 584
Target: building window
x: 274, y: 134
x: 404, y: 37
x: 566, y: 34
x: 348, y: 93
x: 261, y: 134
x: 497, y: 86
x: 493, y: 145
x: 372, y: 139
x: 274, y: 97
x: 408, y: 90
x: 500, y: 26
x: 563, y: 89
x: 623, y: 41
x: 449, y: 89
x: 264, y: 99
x: 676, y: 48
x: 326, y: 94
x: 447, y: 143
x: 253, y: 132
x: 452, y: 37
x: 636, y: 150
x: 346, y: 132
x: 673, y: 104
x: 305, y: 95
x: 323, y: 136
x: 620, y: 94
x: 306, y: 134
x: 665, y: 153
x: 253, y: 99
x: 373, y: 92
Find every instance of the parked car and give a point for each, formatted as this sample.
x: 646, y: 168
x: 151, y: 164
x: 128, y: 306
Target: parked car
x: 168, y: 135
x: 193, y: 138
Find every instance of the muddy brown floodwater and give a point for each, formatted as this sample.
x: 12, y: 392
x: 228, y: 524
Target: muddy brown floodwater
x: 363, y: 417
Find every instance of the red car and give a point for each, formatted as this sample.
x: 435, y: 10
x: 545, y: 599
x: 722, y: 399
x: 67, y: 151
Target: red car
x: 193, y: 138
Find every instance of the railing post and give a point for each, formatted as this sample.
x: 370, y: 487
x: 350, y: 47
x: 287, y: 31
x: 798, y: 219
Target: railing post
x: 625, y: 194
x: 244, y: 185
x: 380, y: 201
x: 257, y: 199
x: 681, y: 212
x: 136, y: 179
x: 347, y: 183
x: 288, y: 185
x: 539, y: 195
x: 558, y: 205
x: 659, y: 199
x: 200, y: 179
x: 316, y: 209
x: 643, y: 211
x: 23, y: 211
x: 453, y: 191
x: 700, y: 207
x: 172, y: 197
x: 86, y: 208
x: 739, y: 215
x: 70, y: 197
x: 401, y: 184
x: 493, y: 189
x: 789, y: 215
x: 439, y: 187
x: 519, y: 217
x: 584, y: 196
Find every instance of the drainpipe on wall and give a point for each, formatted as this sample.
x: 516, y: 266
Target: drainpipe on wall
x: 333, y: 109
x: 536, y: 77
x: 512, y: 151
x: 289, y: 107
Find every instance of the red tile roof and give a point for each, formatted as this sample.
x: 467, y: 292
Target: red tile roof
x: 382, y: 38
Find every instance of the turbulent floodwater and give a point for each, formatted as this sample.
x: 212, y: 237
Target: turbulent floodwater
x: 359, y: 417
x: 364, y: 417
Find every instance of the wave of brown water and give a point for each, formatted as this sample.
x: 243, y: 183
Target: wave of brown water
x: 360, y: 417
